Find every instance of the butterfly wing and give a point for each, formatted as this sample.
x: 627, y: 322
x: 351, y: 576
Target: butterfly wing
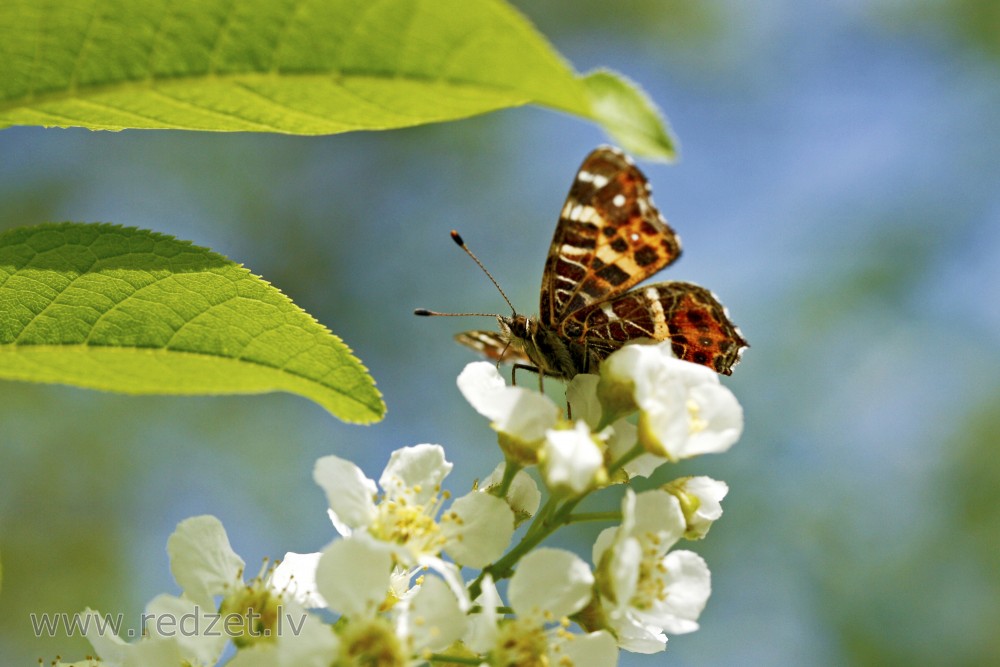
x: 609, y: 238
x: 493, y: 346
x: 688, y: 315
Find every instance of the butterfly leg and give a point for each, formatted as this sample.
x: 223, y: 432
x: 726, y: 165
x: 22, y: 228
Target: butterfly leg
x: 525, y: 367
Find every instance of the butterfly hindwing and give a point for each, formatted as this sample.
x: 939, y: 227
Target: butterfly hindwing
x: 688, y: 315
x: 493, y: 346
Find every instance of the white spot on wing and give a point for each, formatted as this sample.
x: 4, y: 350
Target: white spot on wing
x: 567, y: 253
x: 619, y: 200
x: 579, y: 213
x: 660, y: 331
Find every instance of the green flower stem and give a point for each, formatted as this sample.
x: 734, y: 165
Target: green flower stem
x: 510, y: 470
x: 542, y: 517
x: 454, y: 659
x: 632, y: 454
x: 594, y: 516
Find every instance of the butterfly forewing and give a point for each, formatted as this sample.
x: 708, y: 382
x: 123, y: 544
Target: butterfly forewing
x: 609, y: 238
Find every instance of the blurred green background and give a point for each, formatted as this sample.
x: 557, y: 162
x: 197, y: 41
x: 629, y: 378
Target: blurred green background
x: 838, y: 189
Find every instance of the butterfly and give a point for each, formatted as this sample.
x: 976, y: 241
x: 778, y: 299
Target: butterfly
x: 609, y: 238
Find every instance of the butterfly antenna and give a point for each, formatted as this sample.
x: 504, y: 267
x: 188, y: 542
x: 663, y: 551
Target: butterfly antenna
x: 423, y: 312
x: 461, y: 244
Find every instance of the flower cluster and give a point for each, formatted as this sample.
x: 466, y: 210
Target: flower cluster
x: 417, y: 576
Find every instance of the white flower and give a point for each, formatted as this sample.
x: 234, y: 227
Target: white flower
x: 548, y: 586
x: 684, y: 410
x: 205, y: 566
x: 192, y: 628
x: 475, y: 531
x: 115, y: 652
x: 571, y: 461
x: 520, y: 415
x: 355, y: 577
x: 646, y: 591
x: 303, y: 640
x: 411, y: 486
x: 701, y: 501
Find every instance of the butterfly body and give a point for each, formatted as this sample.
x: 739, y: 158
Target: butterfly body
x: 549, y: 351
x: 609, y: 238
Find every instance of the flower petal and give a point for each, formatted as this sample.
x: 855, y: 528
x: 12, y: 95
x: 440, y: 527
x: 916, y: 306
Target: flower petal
x: 550, y: 580
x: 571, y: 462
x: 478, y: 528
x: 688, y: 587
x: 659, y: 521
x: 596, y: 649
x: 451, y: 574
x: 638, y: 637
x: 416, y: 472
x: 201, y: 559
x: 296, y: 575
x: 183, y: 621
x: 518, y: 412
x: 717, y: 421
x: 581, y: 394
x: 310, y: 643
x: 109, y: 647
x: 353, y: 575
x: 433, y: 618
x: 664, y: 422
x: 481, y: 384
x: 701, y: 500
x: 481, y: 632
x: 349, y: 493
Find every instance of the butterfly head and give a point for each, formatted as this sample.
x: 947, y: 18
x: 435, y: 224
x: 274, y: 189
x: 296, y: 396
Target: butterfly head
x: 517, y: 327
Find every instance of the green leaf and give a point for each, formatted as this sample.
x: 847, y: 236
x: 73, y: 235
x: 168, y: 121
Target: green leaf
x: 133, y: 311
x: 293, y: 66
x: 630, y: 116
